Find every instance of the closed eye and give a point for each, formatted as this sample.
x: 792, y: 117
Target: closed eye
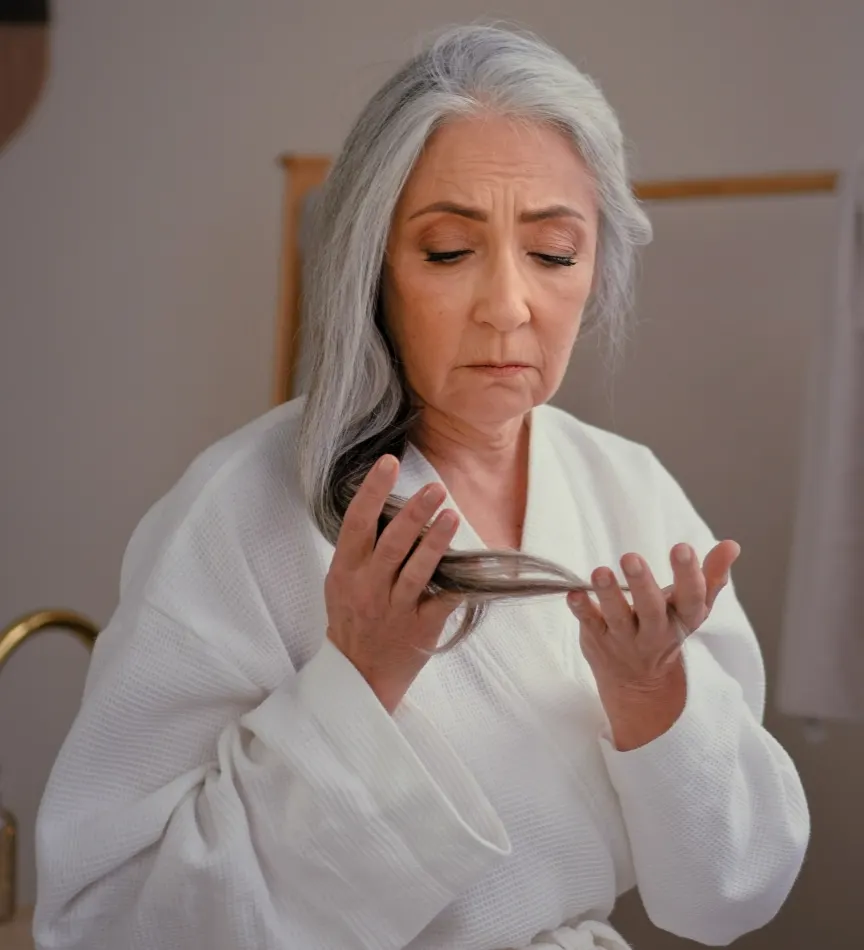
x: 445, y: 257
x: 556, y: 260
x: 450, y: 257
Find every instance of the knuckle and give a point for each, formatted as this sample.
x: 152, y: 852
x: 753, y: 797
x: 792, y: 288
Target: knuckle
x: 412, y: 518
x: 390, y: 549
x: 334, y: 582
x: 691, y: 605
x: 699, y: 586
x: 654, y: 614
x: 414, y: 577
x: 694, y: 602
x: 416, y: 503
x: 366, y: 606
x: 355, y: 523
x: 591, y: 625
x: 432, y: 545
x: 366, y: 613
x: 618, y: 612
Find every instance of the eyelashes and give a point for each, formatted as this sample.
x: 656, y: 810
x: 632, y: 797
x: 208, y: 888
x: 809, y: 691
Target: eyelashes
x: 549, y: 260
x: 559, y: 260
x: 445, y: 257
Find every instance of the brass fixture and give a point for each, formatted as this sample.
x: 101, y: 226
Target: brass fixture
x: 10, y: 639
x: 19, y: 630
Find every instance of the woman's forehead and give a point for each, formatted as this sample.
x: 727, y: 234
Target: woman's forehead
x: 467, y: 159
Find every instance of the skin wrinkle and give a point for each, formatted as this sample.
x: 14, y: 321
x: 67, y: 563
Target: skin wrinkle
x: 497, y: 304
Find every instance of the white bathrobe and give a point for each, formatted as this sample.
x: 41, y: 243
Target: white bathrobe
x: 231, y: 781
x: 822, y: 649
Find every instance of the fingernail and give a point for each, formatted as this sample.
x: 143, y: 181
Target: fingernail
x: 604, y: 579
x: 447, y: 519
x: 683, y: 554
x: 632, y: 565
x: 434, y: 493
x: 387, y: 465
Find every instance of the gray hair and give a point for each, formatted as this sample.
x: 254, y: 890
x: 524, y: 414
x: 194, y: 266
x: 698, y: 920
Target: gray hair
x: 358, y: 405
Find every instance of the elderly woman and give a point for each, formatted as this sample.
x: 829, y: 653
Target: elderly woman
x: 324, y: 717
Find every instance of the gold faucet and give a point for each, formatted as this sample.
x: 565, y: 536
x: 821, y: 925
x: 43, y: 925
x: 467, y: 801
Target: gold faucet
x: 10, y: 639
x: 19, y: 630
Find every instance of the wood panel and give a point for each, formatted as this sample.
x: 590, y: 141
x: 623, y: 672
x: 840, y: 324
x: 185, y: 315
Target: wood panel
x: 17, y: 934
x: 303, y: 173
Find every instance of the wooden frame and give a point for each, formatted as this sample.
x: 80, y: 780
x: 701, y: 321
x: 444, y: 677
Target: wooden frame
x: 304, y: 173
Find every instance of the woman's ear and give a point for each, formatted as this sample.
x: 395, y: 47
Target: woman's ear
x: 24, y: 61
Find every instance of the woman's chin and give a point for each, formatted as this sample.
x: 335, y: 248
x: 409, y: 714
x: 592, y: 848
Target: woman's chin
x: 491, y: 408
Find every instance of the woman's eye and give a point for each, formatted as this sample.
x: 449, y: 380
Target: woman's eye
x: 450, y: 257
x: 557, y: 260
x: 445, y: 257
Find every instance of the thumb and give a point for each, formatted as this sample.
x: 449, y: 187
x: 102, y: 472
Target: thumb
x: 716, y: 568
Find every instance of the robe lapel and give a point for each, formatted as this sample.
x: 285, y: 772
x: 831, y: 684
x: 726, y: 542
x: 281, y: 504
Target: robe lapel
x: 555, y: 527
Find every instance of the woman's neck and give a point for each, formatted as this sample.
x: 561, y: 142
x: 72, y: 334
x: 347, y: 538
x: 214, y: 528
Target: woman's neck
x: 486, y: 472
x: 454, y: 446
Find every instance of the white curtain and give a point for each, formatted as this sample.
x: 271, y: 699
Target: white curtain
x: 821, y: 673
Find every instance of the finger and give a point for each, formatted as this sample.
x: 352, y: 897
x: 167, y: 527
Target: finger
x: 434, y: 611
x: 650, y: 605
x: 616, y: 611
x: 690, y: 589
x: 716, y: 568
x: 360, y: 525
x: 419, y: 568
x: 586, y: 611
x: 403, y: 533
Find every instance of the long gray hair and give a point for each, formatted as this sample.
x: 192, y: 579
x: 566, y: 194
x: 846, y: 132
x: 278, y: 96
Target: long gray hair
x: 358, y: 405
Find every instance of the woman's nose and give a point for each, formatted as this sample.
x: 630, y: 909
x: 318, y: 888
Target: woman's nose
x: 502, y: 296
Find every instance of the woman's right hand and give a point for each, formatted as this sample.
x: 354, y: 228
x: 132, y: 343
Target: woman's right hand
x: 377, y: 614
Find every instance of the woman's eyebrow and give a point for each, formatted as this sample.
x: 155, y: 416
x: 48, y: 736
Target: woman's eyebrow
x: 475, y: 214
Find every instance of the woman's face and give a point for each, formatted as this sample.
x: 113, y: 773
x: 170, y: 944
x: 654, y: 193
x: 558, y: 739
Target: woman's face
x: 489, y: 264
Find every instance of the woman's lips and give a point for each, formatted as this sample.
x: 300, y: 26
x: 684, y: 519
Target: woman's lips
x: 499, y: 369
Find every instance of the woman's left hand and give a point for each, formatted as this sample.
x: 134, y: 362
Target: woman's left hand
x: 634, y: 651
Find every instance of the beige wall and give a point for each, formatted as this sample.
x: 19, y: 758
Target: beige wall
x: 138, y: 241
